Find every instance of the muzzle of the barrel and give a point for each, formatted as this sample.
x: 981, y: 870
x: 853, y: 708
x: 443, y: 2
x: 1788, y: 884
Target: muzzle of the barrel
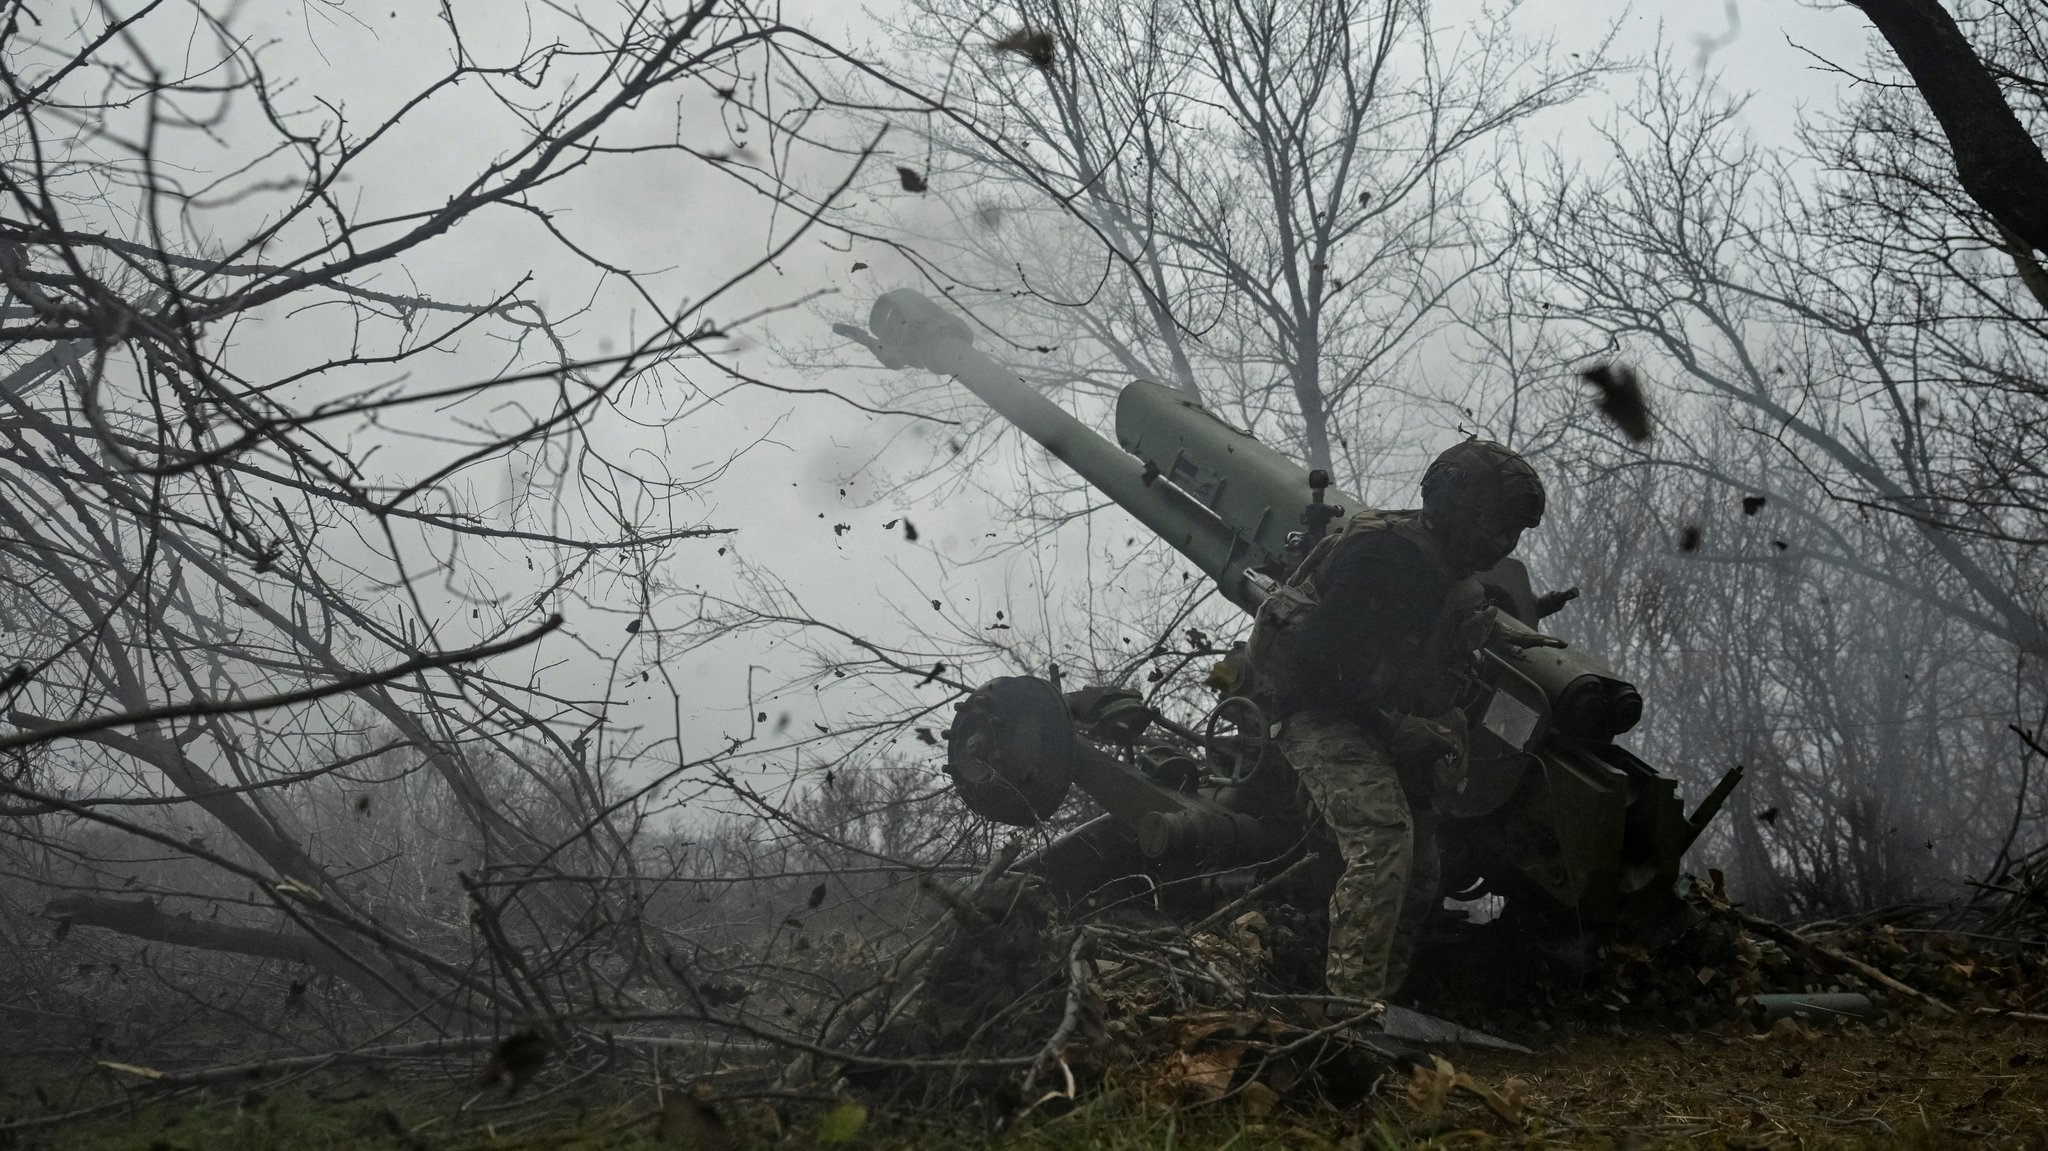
x: 912, y: 331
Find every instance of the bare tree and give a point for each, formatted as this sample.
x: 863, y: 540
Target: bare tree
x: 298, y: 510
x: 1871, y: 729
x: 1972, y: 70
x: 1728, y: 266
x: 1846, y: 352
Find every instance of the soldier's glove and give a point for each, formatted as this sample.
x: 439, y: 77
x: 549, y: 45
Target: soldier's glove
x: 1511, y: 639
x: 1432, y: 750
x: 1434, y: 744
x: 1464, y: 623
x: 1474, y: 626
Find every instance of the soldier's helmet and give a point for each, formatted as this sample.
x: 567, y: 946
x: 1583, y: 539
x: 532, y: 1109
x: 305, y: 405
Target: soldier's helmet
x: 1482, y: 482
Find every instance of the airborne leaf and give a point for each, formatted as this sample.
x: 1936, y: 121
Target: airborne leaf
x: 1620, y: 398
x: 1034, y: 44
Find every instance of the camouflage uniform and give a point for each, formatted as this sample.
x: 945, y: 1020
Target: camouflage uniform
x: 1364, y: 658
x: 1387, y: 844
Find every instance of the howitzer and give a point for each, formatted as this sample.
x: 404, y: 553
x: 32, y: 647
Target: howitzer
x: 1554, y: 814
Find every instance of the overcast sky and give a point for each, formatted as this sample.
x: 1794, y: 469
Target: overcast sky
x: 813, y: 463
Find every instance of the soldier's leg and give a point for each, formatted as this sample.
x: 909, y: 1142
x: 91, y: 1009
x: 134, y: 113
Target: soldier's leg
x: 1423, y: 896
x: 1355, y: 788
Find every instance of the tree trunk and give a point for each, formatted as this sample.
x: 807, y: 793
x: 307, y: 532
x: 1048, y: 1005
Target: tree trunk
x: 1999, y: 164
x: 141, y: 919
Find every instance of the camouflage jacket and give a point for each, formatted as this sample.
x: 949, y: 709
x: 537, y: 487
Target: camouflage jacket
x: 1373, y: 622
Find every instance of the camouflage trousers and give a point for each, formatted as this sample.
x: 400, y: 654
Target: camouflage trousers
x: 1386, y: 843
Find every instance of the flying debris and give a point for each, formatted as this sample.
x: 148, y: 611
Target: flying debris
x: 1689, y: 538
x: 1621, y: 398
x: 911, y: 179
x: 717, y: 994
x: 909, y: 530
x: 1034, y: 44
x: 817, y: 897
x: 1752, y: 505
x: 516, y: 1061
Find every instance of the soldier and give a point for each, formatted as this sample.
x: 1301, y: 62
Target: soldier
x: 1365, y: 658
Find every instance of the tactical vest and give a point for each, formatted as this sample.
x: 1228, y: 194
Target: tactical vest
x: 1424, y: 678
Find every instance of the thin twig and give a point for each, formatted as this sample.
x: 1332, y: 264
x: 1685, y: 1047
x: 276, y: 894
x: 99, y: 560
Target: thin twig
x: 199, y: 707
x: 1077, y: 996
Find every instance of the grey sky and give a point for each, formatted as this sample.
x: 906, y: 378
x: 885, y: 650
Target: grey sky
x: 687, y: 227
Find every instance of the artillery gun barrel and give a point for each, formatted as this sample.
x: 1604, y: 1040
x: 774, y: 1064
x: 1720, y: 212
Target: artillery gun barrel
x: 911, y: 331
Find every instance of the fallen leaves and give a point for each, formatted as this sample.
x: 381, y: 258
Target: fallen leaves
x: 1429, y: 1091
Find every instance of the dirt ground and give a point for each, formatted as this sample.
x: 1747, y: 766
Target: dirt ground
x: 1924, y: 1082
x: 1921, y: 1083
